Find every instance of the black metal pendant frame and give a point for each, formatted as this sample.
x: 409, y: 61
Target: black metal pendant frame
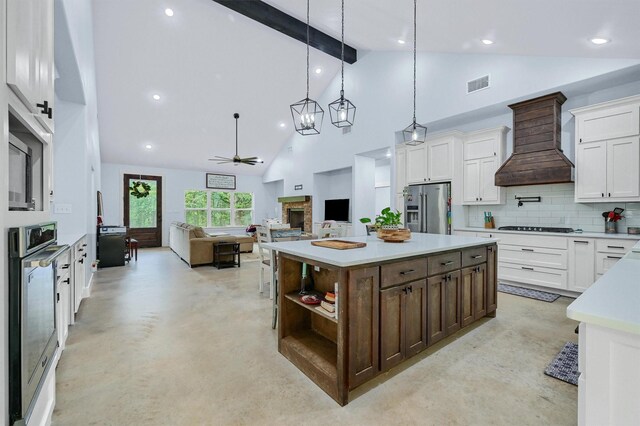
x: 307, y: 116
x: 342, y: 111
x: 414, y: 134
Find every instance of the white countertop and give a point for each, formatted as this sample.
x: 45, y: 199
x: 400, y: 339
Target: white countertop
x: 376, y: 249
x: 559, y: 234
x: 69, y: 238
x: 614, y: 300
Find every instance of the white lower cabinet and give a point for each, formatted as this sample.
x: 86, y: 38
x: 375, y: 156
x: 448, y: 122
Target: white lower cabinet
x: 533, y: 256
x: 79, y: 271
x: 545, y: 277
x: 581, y: 264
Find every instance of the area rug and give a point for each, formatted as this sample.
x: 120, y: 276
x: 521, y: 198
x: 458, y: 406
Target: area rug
x: 525, y: 292
x: 565, y: 365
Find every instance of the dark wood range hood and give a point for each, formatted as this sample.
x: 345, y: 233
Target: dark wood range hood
x: 537, y: 158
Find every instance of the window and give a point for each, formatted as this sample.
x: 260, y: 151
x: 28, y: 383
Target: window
x: 218, y: 208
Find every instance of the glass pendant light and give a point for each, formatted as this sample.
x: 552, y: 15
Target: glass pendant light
x: 307, y: 114
x: 342, y: 111
x: 414, y: 134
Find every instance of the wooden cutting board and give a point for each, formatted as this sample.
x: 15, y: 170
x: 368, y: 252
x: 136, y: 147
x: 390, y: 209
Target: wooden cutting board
x: 338, y: 244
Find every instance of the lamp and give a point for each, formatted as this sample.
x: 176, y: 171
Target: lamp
x: 414, y: 134
x: 342, y: 111
x: 307, y: 114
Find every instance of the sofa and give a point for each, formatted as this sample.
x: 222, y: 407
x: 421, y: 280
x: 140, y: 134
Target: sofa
x: 195, y: 246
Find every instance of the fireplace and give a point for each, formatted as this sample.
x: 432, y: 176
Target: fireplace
x: 296, y: 217
x: 296, y: 211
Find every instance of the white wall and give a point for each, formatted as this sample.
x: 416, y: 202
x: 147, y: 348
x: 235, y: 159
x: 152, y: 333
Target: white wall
x: 382, y: 183
x: 380, y: 85
x: 174, y: 183
x: 273, y: 191
x: 332, y: 185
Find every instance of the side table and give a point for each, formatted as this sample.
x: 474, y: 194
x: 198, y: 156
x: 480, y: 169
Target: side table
x: 223, y: 251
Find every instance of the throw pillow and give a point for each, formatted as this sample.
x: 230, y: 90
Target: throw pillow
x: 199, y: 232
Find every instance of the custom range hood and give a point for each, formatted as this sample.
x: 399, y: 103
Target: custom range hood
x: 537, y: 158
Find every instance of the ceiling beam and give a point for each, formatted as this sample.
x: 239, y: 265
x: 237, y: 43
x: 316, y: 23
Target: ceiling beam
x: 274, y: 18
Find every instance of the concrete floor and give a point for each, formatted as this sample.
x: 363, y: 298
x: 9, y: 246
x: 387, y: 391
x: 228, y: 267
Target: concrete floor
x: 159, y: 343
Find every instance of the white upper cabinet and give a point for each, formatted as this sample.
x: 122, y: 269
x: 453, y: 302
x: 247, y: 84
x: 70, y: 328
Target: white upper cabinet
x: 608, y: 151
x: 431, y: 162
x: 30, y: 58
x: 483, y: 154
x: 401, y: 169
x: 416, y: 164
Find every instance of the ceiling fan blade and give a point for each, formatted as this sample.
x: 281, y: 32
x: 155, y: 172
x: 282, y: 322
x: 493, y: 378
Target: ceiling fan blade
x: 218, y: 158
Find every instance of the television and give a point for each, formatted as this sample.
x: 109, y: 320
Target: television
x: 337, y: 210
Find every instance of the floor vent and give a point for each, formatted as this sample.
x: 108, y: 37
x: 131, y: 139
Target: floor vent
x: 478, y: 84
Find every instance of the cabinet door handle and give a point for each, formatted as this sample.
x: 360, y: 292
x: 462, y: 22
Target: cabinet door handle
x: 450, y: 262
x: 84, y: 255
x: 527, y: 269
x: 410, y: 271
x: 44, y: 106
x: 410, y: 288
x: 80, y: 249
x: 84, y: 245
x: 609, y: 194
x: 65, y: 266
x: 68, y: 281
x: 581, y: 242
x: 616, y: 247
x: 478, y: 256
x: 602, y: 193
x: 614, y: 257
x: 81, y: 260
x: 527, y: 249
x: 480, y: 198
x: 57, y: 297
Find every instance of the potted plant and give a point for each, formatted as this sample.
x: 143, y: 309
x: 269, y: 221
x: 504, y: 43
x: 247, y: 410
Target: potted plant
x: 387, y: 225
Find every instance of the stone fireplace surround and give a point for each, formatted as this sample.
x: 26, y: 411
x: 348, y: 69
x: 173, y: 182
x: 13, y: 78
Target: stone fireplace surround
x: 299, y: 202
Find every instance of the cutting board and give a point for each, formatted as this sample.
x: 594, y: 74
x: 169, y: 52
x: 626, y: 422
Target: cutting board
x: 338, y: 244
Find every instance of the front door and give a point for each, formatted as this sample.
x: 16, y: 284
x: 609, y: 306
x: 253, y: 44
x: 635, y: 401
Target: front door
x: 143, y: 213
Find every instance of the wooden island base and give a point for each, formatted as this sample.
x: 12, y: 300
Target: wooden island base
x: 388, y: 311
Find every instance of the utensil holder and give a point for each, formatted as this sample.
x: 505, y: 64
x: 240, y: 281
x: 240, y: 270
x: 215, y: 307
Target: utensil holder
x: 611, y: 227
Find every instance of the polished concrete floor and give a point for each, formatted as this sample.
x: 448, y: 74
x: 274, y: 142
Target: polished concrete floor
x: 161, y: 344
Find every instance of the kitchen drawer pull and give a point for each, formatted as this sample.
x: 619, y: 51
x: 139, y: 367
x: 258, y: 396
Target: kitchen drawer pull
x: 65, y: 266
x: 526, y: 249
x: 410, y: 271
x: 616, y: 247
x: 80, y: 249
x: 68, y: 281
x: 477, y: 256
x: 581, y: 242
x: 84, y: 255
x: 527, y: 268
x: 84, y: 245
x: 614, y: 257
x: 450, y: 262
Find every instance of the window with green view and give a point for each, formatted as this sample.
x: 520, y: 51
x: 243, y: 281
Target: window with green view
x: 218, y: 208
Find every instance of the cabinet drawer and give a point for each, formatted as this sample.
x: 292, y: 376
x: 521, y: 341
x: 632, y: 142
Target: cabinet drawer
x: 532, y: 240
x: 545, y: 277
x: 533, y: 256
x: 402, y: 272
x: 605, y: 261
x: 442, y: 263
x: 615, y: 246
x: 474, y: 256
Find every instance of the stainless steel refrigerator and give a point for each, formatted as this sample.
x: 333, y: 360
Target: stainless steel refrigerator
x: 427, y: 208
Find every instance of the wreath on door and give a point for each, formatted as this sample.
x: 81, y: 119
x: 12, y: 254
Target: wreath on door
x: 139, y: 189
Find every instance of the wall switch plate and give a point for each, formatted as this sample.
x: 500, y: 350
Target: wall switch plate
x: 62, y: 209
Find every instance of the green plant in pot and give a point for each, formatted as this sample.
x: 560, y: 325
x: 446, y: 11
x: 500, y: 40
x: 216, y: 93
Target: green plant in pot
x: 387, y: 219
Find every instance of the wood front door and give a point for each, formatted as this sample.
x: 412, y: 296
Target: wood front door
x: 143, y: 216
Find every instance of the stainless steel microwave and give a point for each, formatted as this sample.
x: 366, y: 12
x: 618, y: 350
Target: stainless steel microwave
x: 20, y: 175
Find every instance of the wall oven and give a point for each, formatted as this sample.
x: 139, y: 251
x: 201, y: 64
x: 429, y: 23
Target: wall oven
x: 32, y: 317
x: 20, y: 175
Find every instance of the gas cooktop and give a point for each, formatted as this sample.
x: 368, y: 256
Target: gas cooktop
x: 535, y: 229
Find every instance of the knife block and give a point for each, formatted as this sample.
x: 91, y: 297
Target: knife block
x: 491, y: 224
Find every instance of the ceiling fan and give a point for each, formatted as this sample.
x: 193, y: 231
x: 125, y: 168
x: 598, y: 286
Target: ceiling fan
x: 236, y: 158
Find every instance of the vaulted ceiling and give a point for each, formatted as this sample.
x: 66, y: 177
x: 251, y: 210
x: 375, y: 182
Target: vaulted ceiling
x: 207, y: 62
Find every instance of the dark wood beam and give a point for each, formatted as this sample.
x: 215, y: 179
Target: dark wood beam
x: 274, y: 18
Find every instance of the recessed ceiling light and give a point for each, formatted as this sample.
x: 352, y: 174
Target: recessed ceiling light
x: 148, y: 146
x: 282, y: 125
x: 318, y: 70
x: 487, y: 41
x: 599, y: 40
x: 168, y: 12
x: 156, y: 97
x: 400, y: 41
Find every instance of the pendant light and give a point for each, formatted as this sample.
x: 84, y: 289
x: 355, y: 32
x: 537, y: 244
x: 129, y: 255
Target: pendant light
x: 307, y: 113
x: 342, y: 111
x: 414, y: 134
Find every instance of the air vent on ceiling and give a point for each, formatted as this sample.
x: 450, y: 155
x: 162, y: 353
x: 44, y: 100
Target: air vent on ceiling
x: 478, y: 84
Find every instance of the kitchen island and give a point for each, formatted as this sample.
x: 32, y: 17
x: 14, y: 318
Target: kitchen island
x: 393, y: 301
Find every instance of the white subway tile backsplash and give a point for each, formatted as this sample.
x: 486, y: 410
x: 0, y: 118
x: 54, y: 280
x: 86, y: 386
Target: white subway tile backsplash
x: 557, y: 208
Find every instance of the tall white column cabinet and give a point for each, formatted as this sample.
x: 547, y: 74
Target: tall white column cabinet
x: 483, y: 153
x: 608, y: 151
